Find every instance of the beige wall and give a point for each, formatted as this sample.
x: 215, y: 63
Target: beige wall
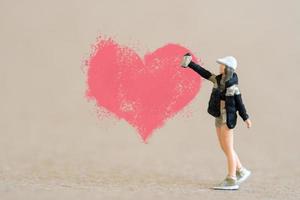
x: 46, y: 122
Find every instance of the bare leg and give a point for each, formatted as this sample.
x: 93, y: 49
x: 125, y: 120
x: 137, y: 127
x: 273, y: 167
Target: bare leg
x: 219, y: 132
x: 238, y: 162
x: 227, y: 141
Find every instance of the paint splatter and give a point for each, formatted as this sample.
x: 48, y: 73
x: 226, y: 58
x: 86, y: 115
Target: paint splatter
x: 144, y: 92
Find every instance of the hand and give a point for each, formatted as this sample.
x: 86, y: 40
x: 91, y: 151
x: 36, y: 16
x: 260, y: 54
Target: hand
x: 187, y: 58
x: 248, y: 122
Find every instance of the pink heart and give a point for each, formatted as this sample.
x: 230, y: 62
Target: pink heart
x: 143, y: 92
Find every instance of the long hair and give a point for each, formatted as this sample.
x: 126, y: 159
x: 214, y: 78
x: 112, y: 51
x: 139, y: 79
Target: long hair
x: 228, y: 73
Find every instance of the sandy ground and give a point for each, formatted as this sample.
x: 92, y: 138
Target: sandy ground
x: 83, y: 165
x: 53, y: 145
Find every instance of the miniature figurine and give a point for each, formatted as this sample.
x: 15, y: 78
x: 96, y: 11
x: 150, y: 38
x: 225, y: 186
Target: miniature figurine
x: 225, y: 100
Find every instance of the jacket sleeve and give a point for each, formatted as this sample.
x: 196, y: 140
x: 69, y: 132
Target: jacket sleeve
x: 240, y: 105
x: 203, y: 72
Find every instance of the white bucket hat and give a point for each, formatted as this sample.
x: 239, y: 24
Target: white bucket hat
x: 229, y: 61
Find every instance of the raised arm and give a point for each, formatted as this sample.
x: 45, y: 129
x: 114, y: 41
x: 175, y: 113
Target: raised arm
x: 203, y: 72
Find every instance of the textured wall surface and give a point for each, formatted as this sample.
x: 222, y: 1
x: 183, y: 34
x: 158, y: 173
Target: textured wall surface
x: 54, y: 144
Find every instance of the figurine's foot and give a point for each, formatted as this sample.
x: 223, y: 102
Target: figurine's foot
x: 228, y: 183
x: 187, y: 58
x: 242, y: 175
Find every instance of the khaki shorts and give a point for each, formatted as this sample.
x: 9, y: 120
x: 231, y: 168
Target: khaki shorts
x: 219, y: 121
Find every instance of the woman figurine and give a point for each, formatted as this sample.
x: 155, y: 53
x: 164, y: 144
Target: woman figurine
x: 225, y: 100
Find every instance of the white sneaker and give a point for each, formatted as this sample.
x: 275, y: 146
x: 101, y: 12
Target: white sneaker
x: 228, y: 183
x: 187, y: 58
x: 242, y: 175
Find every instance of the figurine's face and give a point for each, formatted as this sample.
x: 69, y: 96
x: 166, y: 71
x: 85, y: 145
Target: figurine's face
x: 222, y: 68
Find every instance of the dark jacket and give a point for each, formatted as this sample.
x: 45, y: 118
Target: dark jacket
x: 231, y: 95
